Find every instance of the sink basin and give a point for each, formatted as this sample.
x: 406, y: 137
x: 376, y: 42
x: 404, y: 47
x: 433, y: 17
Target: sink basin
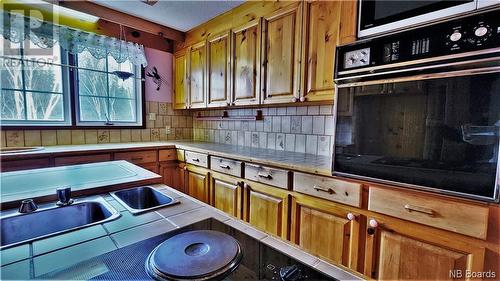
x: 19, y: 228
x: 142, y: 199
x: 13, y: 150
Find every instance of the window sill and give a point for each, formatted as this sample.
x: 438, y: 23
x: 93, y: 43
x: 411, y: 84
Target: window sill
x: 18, y: 127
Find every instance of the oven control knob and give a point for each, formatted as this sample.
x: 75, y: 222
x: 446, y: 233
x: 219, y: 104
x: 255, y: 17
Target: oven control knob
x: 481, y: 31
x: 291, y: 273
x: 455, y: 36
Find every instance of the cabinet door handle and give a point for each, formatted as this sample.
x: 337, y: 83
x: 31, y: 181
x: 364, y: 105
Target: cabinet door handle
x: 418, y: 209
x: 324, y: 189
x: 195, y: 159
x: 266, y: 176
x: 224, y: 166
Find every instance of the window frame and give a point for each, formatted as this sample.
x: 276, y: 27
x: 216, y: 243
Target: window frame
x: 66, y: 93
x: 70, y: 92
x: 139, y: 123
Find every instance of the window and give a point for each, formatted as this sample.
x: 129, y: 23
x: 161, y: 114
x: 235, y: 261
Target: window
x: 34, y: 88
x: 103, y: 97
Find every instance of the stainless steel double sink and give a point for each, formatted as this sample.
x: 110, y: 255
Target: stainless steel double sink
x: 19, y: 228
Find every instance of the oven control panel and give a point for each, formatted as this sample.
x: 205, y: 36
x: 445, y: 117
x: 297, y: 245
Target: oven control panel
x: 469, y: 33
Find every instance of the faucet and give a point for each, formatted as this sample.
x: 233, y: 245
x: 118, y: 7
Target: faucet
x: 64, y: 196
x: 27, y: 206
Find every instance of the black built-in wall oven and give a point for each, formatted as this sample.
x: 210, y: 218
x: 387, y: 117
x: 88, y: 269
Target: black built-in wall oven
x: 421, y: 108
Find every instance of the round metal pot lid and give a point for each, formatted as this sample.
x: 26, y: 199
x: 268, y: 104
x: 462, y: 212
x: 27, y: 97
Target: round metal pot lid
x: 200, y: 254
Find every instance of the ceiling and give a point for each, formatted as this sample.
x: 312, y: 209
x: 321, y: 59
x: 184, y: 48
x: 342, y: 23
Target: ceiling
x: 180, y: 15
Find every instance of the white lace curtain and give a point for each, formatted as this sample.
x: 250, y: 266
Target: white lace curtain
x: 17, y: 28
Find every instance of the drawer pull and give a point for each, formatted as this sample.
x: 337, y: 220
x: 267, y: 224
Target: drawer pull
x: 195, y: 159
x: 266, y: 176
x: 417, y: 209
x: 351, y: 216
x: 324, y: 189
x: 136, y: 158
x: 225, y: 166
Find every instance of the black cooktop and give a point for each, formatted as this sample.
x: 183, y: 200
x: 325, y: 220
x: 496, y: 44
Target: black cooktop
x: 259, y: 262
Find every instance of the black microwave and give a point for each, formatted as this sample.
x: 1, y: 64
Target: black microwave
x: 421, y: 108
x: 380, y: 16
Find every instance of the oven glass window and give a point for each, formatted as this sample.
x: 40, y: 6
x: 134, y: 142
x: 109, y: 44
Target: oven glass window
x: 438, y: 133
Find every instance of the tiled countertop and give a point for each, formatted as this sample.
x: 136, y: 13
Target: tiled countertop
x: 34, y: 259
x: 311, y: 163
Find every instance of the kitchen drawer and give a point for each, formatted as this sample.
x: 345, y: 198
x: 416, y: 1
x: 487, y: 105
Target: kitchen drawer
x: 344, y: 192
x: 81, y: 159
x: 26, y: 164
x: 267, y: 175
x: 448, y: 214
x: 226, y: 166
x: 167, y: 155
x: 196, y: 158
x: 138, y: 157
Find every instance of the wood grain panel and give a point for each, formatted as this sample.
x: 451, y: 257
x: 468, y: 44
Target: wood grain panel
x: 226, y: 196
x: 246, y: 64
x: 167, y: 155
x: 81, y: 159
x: 452, y: 215
x: 197, y: 186
x: 281, y: 56
x: 180, y: 80
x: 219, y: 65
x: 321, y: 34
x: 197, y: 73
x: 26, y: 164
x: 137, y: 157
x: 404, y: 258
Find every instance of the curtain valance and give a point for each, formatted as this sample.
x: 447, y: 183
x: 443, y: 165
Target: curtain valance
x: 17, y: 28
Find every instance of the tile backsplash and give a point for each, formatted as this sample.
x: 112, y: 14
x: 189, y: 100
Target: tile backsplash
x: 180, y: 122
x: 306, y: 129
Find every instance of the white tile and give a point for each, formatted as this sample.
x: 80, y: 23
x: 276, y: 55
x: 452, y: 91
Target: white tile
x: 271, y: 111
x: 268, y: 124
x: 290, y: 142
x: 241, y: 138
x: 285, y: 124
x: 281, y: 111
x: 326, y: 109
x: 324, y: 145
x: 318, y: 125
x: 255, y: 139
x: 329, y: 126
x: 259, y: 126
x: 295, y: 124
x: 234, y: 137
x: 292, y: 110
x: 313, y: 110
x: 307, y: 125
x: 276, y: 124
x: 300, y: 143
x: 302, y: 110
x: 248, y: 139
x: 262, y: 140
x: 311, y: 144
x: 271, y: 140
x: 280, y: 141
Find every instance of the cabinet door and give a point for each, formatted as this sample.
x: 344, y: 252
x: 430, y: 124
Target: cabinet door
x: 197, y: 184
x: 397, y: 250
x: 172, y: 175
x: 321, y: 36
x: 197, y: 75
x: 180, y: 80
x: 266, y: 208
x: 219, y: 65
x: 246, y: 64
x: 226, y: 194
x: 179, y: 179
x: 325, y: 229
x: 281, y: 55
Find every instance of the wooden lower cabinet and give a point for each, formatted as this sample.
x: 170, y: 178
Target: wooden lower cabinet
x: 266, y: 208
x: 325, y: 229
x: 198, y: 183
x: 24, y: 164
x: 226, y: 194
x: 173, y: 175
x: 399, y: 250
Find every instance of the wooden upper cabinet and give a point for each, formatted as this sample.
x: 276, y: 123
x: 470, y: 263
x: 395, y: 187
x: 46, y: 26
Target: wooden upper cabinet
x: 396, y: 250
x: 197, y: 75
x: 180, y: 80
x: 281, y: 55
x: 326, y: 230
x: 246, y: 64
x: 321, y: 36
x: 219, y: 65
